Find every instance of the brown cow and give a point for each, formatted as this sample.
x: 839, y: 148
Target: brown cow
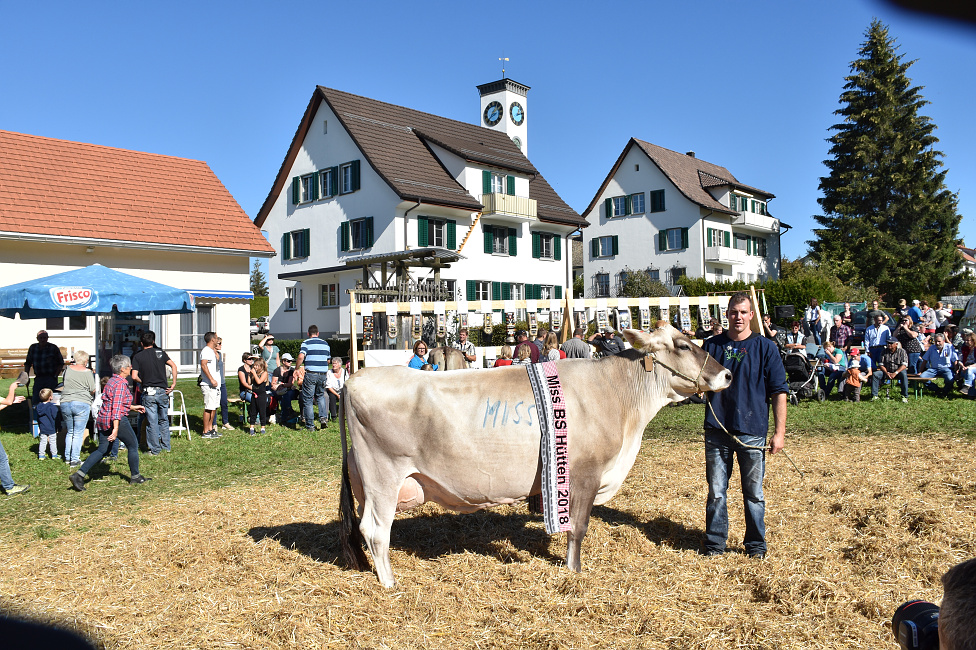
x: 472, y: 440
x: 446, y: 358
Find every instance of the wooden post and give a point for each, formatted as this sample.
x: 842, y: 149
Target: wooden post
x: 353, y: 347
x: 756, y: 320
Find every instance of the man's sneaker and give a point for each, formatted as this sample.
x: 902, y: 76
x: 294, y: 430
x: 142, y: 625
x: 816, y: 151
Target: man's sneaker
x: 272, y: 419
x: 712, y: 552
x: 758, y: 555
x: 154, y: 453
x: 216, y: 433
x: 324, y: 423
x: 208, y: 435
x: 78, y: 481
x: 17, y: 489
x: 75, y: 463
x: 251, y: 432
x: 263, y: 430
x: 875, y: 398
x: 228, y: 426
x: 904, y: 400
x: 138, y: 479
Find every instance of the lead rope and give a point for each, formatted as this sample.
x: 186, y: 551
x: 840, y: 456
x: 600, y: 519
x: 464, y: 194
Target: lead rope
x: 700, y: 392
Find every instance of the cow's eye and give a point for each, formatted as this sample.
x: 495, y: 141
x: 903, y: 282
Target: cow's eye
x: 684, y: 346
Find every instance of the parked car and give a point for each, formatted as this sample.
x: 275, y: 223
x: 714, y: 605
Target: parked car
x: 859, y: 321
x: 254, y: 327
x: 264, y: 325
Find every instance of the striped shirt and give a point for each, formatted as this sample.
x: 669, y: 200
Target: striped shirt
x: 317, y: 354
x: 116, y: 400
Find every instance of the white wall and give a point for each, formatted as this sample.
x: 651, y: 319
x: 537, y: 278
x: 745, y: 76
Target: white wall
x: 24, y: 261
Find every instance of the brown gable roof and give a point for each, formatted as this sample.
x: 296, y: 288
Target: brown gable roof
x: 394, y: 140
x: 72, y: 189
x: 690, y: 175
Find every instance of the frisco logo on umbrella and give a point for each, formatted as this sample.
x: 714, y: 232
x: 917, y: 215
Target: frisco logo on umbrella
x: 73, y: 297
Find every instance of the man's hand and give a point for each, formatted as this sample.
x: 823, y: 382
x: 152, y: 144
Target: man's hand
x: 169, y: 391
x: 777, y: 443
x: 213, y: 383
x: 138, y: 408
x: 114, y: 434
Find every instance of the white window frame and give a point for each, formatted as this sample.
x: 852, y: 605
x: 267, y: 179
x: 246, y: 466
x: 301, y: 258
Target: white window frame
x: 545, y: 291
x: 357, y: 234
x: 601, y: 282
x: 498, y: 183
x: 297, y: 237
x: 329, y: 295
x: 325, y: 183
x: 345, y: 178
x: 634, y: 200
x: 306, y: 188
x: 606, y: 247
x: 482, y: 289
x: 619, y: 206
x: 676, y: 234
x: 291, y: 298
x: 499, y: 240
x: 546, y: 246
x: 437, y: 232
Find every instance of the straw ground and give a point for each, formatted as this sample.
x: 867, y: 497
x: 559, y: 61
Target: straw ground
x: 250, y: 560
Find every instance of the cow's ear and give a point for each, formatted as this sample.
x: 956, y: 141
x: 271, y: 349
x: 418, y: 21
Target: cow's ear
x: 645, y: 341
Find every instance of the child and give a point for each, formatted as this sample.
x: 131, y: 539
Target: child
x: 47, y: 413
x: 852, y: 384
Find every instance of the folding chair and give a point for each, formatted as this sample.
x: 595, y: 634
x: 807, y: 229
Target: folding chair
x: 182, y: 423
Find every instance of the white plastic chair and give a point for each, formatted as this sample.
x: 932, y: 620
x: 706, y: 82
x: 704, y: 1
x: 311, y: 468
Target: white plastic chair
x: 182, y: 422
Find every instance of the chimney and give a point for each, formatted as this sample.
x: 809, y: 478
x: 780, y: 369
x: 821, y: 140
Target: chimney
x: 690, y: 154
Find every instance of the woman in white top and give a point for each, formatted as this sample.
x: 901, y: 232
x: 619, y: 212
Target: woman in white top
x: 335, y: 379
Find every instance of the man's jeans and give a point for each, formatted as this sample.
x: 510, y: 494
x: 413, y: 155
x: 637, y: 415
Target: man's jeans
x: 157, y: 420
x: 944, y: 372
x: 879, y: 377
x: 720, y: 449
x: 313, y: 391
x: 75, y: 416
x: 6, y: 479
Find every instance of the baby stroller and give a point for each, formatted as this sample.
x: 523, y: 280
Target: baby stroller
x: 803, y: 375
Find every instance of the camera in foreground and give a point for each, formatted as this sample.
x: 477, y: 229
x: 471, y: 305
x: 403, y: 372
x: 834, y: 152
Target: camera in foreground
x: 916, y: 625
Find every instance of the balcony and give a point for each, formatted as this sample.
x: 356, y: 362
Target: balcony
x: 724, y: 255
x: 516, y: 209
x: 756, y: 222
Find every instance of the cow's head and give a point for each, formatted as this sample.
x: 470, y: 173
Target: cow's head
x: 691, y: 368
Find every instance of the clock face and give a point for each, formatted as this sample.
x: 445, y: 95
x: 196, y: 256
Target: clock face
x: 493, y: 113
x: 517, y: 113
x: 518, y: 142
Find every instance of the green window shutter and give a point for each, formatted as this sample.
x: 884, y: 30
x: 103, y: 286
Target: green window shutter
x: 307, y: 245
x: 660, y: 200
x: 710, y: 237
x: 609, y: 208
x: 368, y: 226
x: 314, y: 182
x: 657, y: 201
x: 344, y: 236
x: 558, y: 291
x: 557, y: 247
x: 334, y: 181
x: 286, y: 246
x: 684, y: 238
x: 506, y: 291
x: 486, y: 182
x: 512, y: 243
x: 451, y: 234
x: 732, y: 202
x: 616, y: 246
x: 748, y: 245
x: 496, y: 290
x: 489, y: 234
x: 472, y: 290
x: 355, y: 175
x: 595, y: 247
x: 662, y: 240
x: 296, y: 190
x: 423, y: 238
x: 510, y: 185
x: 536, y: 246
x: 628, y: 206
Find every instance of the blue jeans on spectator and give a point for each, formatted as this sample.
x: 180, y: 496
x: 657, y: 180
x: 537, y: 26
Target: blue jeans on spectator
x: 944, y: 372
x: 878, y: 378
x: 875, y: 351
x: 6, y: 478
x: 157, y: 419
x: 126, y: 435
x: 313, y: 391
x: 720, y: 449
x: 913, y: 362
x: 833, y: 378
x: 814, y: 327
x: 75, y: 416
x: 967, y: 376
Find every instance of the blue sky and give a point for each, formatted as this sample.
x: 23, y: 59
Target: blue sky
x: 747, y: 85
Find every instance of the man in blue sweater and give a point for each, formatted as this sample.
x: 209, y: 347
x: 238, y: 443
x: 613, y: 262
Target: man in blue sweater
x: 737, y: 423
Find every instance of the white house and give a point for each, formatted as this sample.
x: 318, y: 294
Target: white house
x: 66, y: 205
x: 672, y: 214
x: 366, y: 183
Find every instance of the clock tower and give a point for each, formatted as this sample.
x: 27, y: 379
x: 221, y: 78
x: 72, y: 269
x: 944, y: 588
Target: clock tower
x: 503, y: 108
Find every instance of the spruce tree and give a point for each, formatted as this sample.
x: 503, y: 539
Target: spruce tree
x: 888, y: 220
x: 259, y: 286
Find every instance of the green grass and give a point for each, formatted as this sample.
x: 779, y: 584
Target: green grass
x: 52, y: 509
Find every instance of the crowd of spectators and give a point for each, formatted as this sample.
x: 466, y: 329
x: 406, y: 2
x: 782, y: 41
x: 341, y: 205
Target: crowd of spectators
x: 910, y: 343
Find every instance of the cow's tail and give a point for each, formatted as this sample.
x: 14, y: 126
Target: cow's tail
x: 349, y: 535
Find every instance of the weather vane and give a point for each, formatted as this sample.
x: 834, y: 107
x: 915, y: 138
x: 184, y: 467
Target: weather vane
x: 504, y: 60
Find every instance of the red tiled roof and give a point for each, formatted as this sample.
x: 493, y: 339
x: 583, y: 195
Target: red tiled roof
x: 393, y: 140
x: 73, y: 189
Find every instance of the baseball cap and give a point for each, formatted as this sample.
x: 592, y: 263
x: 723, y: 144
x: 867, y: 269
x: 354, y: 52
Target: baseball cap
x: 287, y: 357
x: 607, y: 330
x: 854, y: 351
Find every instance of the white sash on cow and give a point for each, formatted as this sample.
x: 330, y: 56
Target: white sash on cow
x: 550, y: 404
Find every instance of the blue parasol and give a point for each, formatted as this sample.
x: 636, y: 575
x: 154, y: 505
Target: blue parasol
x: 91, y: 291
